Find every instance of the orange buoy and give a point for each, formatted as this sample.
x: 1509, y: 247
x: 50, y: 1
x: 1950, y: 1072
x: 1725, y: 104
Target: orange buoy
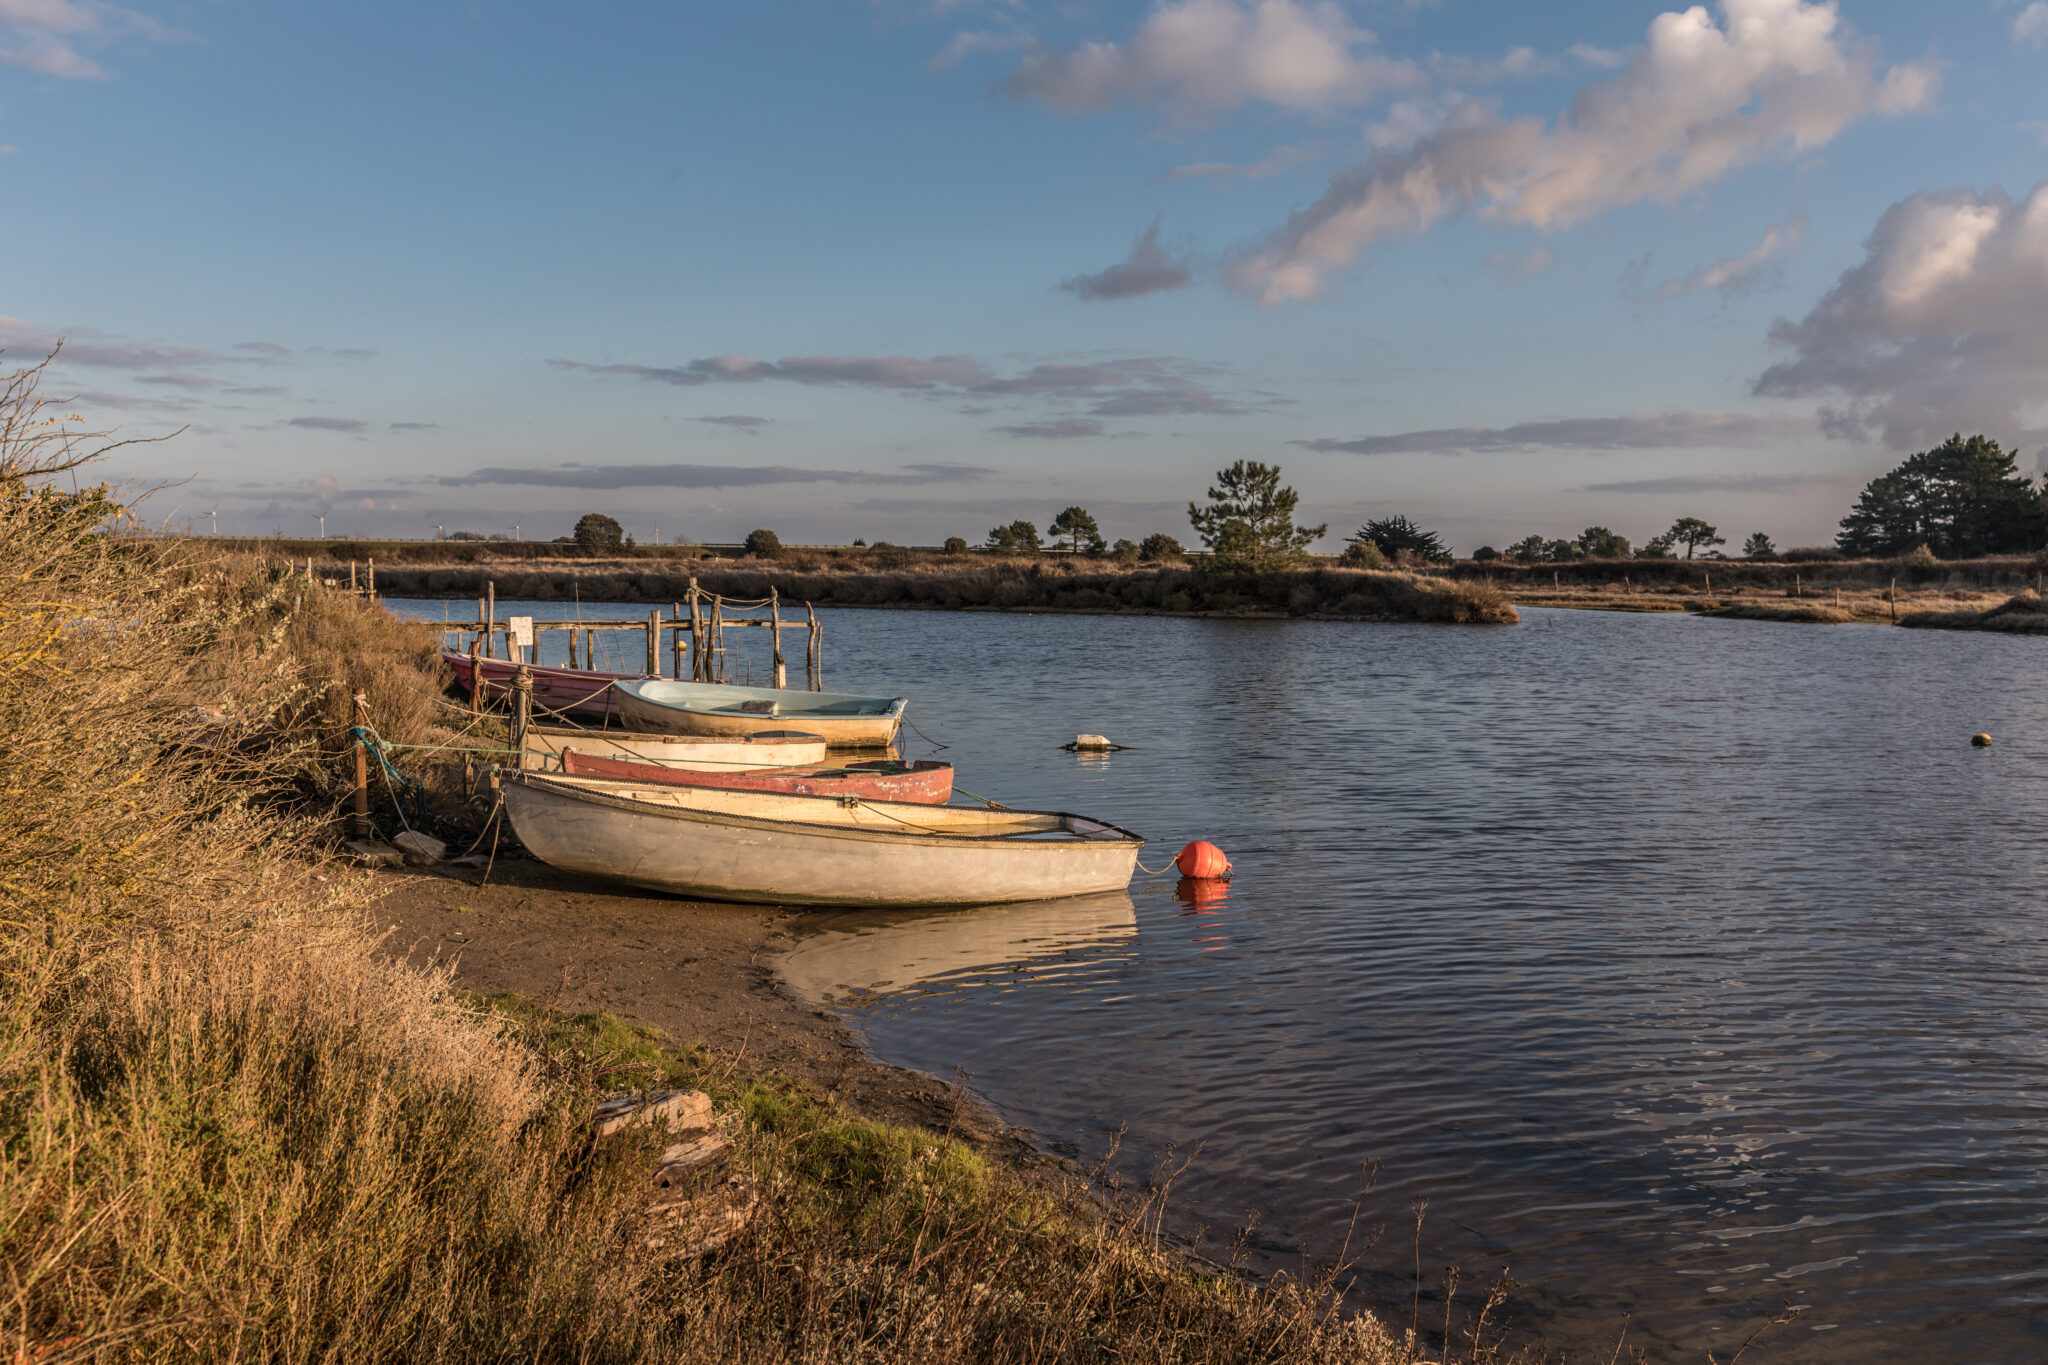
x: 1202, y: 859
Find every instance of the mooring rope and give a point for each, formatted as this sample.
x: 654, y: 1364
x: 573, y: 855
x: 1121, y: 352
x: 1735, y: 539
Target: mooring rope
x: 399, y: 783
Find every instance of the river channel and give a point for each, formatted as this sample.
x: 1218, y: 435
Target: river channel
x: 1686, y: 967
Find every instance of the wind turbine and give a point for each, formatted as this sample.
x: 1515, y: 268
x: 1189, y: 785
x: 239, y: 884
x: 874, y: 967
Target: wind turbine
x: 440, y: 530
x: 515, y: 530
x: 214, y: 518
x: 323, y: 522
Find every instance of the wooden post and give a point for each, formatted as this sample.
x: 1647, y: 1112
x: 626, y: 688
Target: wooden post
x: 360, y: 824
x: 775, y: 629
x: 811, y: 656
x: 372, y: 584
x: 1708, y: 579
x: 717, y: 638
x: 476, y: 677
x: 482, y: 621
x: 491, y: 620
x: 675, y: 639
x: 522, y: 712
x: 572, y: 647
x: 1894, y: 595
x: 1797, y: 590
x: 697, y: 673
x: 654, y: 643
x: 351, y: 575
x: 589, y: 648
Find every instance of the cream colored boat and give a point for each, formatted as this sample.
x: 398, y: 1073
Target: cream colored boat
x: 776, y: 749
x: 718, y: 844
x: 725, y: 710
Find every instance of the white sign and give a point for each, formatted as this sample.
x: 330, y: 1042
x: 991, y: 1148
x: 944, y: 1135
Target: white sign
x: 520, y: 628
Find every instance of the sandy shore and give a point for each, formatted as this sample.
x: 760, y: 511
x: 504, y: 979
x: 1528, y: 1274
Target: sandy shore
x: 699, y: 971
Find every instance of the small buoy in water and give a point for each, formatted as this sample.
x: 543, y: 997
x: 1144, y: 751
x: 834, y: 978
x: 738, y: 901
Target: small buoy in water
x: 1202, y: 859
x: 1086, y: 742
x: 1981, y: 740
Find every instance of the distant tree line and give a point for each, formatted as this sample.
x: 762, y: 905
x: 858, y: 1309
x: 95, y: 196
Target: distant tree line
x: 1964, y: 498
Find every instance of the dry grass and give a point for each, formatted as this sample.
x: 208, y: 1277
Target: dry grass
x: 2022, y: 614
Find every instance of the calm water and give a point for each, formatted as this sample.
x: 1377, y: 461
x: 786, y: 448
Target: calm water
x: 1686, y: 967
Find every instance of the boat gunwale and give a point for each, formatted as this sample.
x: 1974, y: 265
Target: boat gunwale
x: 632, y: 806
x: 761, y: 737
x: 892, y: 707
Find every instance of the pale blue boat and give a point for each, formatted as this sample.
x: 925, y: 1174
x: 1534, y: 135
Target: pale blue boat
x: 666, y: 706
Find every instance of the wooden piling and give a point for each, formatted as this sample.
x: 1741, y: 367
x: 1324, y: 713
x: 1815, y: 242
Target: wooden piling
x: 351, y: 575
x: 371, y: 583
x: 697, y: 673
x: 717, y: 638
x: 522, y: 712
x: 360, y: 824
x: 654, y: 643
x: 476, y: 677
x: 491, y: 619
x: 1894, y: 595
x: 812, y: 658
x: 775, y: 629
x: 675, y: 636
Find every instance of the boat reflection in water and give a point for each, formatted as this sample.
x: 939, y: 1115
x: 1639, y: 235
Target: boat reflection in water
x: 867, y: 957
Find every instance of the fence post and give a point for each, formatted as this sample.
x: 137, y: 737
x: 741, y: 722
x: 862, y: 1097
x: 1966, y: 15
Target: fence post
x: 361, y: 822
x: 654, y: 643
x: 351, y: 575
x: 372, y: 584
x: 522, y: 712
x: 775, y: 629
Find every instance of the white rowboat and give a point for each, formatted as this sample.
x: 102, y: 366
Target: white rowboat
x: 724, y: 710
x: 774, y: 749
x: 717, y: 844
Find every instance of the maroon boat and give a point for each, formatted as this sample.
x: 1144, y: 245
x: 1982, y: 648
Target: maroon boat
x: 926, y: 782
x: 570, y: 691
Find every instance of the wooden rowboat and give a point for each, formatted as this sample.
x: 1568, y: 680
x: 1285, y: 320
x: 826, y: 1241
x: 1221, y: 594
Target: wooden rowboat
x: 924, y: 782
x: 570, y: 691
x: 812, y: 850
x: 694, y: 753
x: 666, y: 706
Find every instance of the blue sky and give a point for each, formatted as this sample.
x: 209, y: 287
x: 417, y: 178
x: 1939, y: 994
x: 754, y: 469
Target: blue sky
x: 904, y: 270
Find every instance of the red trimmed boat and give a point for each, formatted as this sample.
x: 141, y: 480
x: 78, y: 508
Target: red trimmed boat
x: 924, y: 782
x: 568, y: 691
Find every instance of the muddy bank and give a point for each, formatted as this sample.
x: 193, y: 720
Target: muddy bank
x: 699, y: 971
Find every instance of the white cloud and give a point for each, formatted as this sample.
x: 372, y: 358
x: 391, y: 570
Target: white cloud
x: 1942, y: 327
x: 2031, y: 27
x: 1701, y: 99
x: 1738, y: 273
x: 1201, y: 56
x: 46, y: 35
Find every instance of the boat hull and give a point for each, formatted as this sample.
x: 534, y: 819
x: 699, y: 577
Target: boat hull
x: 924, y: 783
x: 781, y: 850
x: 787, y: 749
x: 569, y: 691
x: 713, y: 709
